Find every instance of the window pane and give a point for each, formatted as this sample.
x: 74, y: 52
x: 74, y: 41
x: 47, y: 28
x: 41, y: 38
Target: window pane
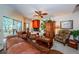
x: 10, y: 26
x: 7, y: 26
x: 19, y: 26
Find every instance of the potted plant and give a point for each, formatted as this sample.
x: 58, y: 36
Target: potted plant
x: 75, y: 34
x: 43, y: 24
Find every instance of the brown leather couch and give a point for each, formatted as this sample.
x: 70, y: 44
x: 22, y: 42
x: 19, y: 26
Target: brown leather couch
x: 17, y: 45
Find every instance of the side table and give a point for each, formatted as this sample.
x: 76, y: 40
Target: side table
x: 73, y: 43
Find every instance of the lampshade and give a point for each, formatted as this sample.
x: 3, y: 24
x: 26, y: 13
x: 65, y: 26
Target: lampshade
x: 35, y: 23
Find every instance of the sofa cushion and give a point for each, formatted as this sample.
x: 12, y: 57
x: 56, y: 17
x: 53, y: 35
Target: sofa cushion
x: 13, y: 41
x: 23, y: 48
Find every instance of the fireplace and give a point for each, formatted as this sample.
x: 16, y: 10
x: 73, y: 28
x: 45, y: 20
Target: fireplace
x: 36, y: 25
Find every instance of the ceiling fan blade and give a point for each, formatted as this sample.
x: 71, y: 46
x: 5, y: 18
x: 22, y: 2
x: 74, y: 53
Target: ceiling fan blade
x: 35, y: 15
x: 40, y: 11
x: 37, y: 12
x: 41, y: 16
x: 45, y: 14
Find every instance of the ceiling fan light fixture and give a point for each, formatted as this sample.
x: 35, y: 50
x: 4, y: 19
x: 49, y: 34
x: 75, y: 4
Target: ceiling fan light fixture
x: 40, y: 14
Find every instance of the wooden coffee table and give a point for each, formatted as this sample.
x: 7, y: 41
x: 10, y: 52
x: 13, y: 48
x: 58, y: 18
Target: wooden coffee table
x: 43, y: 42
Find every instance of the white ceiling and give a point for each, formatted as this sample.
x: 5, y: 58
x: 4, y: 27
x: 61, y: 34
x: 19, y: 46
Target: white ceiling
x: 51, y: 9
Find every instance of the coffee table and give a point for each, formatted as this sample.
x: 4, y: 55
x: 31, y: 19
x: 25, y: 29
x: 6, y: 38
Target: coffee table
x: 44, y: 41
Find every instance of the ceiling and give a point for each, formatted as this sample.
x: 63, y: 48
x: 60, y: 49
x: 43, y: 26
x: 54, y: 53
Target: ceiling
x: 51, y: 9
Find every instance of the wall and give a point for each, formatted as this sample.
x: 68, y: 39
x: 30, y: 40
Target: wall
x: 73, y: 16
x: 28, y: 21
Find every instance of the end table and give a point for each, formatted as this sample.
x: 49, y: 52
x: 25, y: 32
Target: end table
x: 73, y: 43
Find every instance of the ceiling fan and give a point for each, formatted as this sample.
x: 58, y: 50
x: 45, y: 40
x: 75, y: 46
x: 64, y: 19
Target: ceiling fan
x: 76, y: 8
x: 40, y: 13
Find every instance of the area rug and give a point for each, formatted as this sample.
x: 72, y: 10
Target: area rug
x: 54, y: 52
x: 45, y: 50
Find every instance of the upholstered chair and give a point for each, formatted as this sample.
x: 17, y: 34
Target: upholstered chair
x: 62, y: 36
x: 22, y: 34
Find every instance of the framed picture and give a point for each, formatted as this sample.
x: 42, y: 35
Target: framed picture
x: 66, y: 24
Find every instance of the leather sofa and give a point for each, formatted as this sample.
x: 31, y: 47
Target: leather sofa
x: 18, y: 45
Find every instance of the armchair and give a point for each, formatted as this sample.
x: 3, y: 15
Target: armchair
x: 62, y: 36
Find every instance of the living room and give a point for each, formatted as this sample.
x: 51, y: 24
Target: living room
x: 45, y: 25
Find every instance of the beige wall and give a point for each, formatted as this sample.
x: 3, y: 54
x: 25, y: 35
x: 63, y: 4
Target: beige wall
x: 73, y: 16
x: 28, y: 21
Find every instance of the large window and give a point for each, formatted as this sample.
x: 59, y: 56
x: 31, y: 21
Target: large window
x: 10, y: 26
x: 17, y: 26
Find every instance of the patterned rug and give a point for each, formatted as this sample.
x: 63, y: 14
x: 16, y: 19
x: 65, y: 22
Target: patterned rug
x: 45, y: 50
x: 54, y: 52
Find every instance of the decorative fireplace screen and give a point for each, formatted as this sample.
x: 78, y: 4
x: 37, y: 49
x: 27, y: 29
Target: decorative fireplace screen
x: 36, y: 25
